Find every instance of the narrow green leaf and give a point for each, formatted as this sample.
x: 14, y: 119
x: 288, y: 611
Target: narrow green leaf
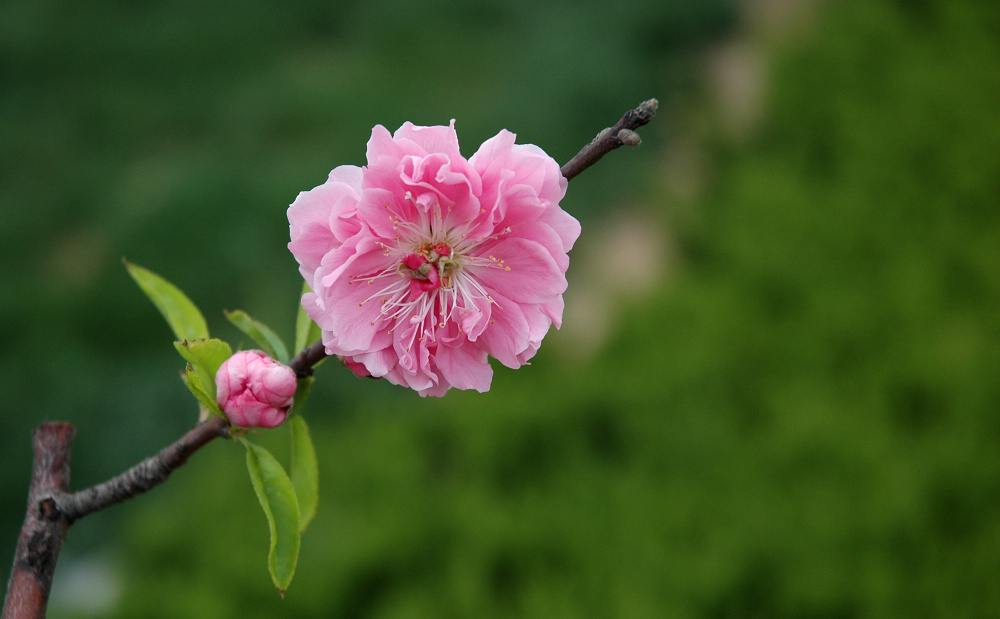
x: 305, y: 471
x: 306, y: 331
x: 181, y: 314
x: 206, y: 356
x: 261, y: 333
x: 277, y: 498
x: 194, y: 384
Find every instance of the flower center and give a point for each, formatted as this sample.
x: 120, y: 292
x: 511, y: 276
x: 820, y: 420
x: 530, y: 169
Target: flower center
x: 431, y: 283
x: 428, y: 268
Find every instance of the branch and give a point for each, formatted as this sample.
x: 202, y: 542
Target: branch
x: 142, y: 477
x: 623, y: 133
x: 52, y: 508
x: 44, y: 529
x: 303, y: 362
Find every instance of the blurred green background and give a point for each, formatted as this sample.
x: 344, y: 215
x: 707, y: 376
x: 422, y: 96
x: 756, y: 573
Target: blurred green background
x: 777, y: 390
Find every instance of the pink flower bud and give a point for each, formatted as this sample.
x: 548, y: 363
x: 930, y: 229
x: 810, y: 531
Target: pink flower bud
x: 254, y: 390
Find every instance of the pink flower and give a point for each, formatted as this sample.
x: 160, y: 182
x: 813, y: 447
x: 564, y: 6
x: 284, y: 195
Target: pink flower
x: 423, y: 263
x: 254, y: 390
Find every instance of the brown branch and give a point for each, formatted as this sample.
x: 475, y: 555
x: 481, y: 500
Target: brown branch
x: 142, y: 477
x: 44, y: 528
x: 52, y: 508
x: 623, y: 133
x: 303, y: 362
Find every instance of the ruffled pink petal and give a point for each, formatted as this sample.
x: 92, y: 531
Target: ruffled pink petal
x: 384, y: 151
x: 544, y: 235
x: 355, y: 324
x: 377, y: 363
x: 529, y: 273
x: 435, y: 391
x: 548, y: 181
x: 433, y: 139
x: 501, y: 162
x: 383, y: 210
x: 507, y: 334
x: 342, y: 260
x: 564, y: 224
x: 465, y: 367
x: 474, y: 315
x: 413, y: 370
x: 443, y: 187
x: 554, y: 310
x: 538, y: 326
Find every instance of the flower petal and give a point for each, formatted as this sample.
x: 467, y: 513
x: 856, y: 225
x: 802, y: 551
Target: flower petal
x: 521, y: 270
x: 465, y: 367
x: 312, y: 215
x: 507, y: 334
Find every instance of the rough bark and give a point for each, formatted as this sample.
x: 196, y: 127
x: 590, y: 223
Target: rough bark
x: 44, y: 527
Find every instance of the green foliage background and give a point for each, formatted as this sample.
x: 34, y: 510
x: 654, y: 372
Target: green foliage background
x: 801, y: 422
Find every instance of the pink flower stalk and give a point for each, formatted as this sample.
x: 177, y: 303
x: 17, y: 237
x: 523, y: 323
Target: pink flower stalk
x: 254, y: 390
x: 423, y: 263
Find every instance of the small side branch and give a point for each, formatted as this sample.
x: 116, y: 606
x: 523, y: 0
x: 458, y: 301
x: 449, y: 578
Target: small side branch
x: 623, y: 133
x: 143, y: 476
x: 303, y: 362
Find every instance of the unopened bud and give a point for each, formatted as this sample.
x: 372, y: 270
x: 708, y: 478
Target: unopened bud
x: 254, y: 390
x: 629, y: 137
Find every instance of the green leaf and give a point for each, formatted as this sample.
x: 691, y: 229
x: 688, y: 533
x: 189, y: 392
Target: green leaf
x: 305, y: 471
x: 194, y: 384
x: 182, y: 315
x: 261, y: 333
x: 306, y: 331
x: 206, y: 356
x: 277, y: 498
